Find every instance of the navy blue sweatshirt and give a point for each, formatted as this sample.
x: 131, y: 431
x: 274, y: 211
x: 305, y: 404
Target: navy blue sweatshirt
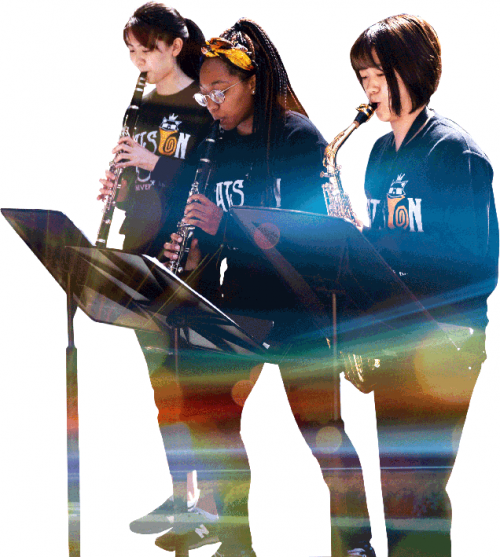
x: 433, y: 217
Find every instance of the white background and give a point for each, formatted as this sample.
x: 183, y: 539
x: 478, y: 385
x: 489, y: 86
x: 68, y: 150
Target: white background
x: 67, y: 82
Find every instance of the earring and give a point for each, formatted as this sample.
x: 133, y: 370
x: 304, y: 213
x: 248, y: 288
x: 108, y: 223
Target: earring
x: 253, y: 92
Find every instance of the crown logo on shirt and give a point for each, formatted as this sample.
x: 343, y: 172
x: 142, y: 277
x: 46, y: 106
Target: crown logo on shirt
x: 397, y: 188
x: 171, y: 123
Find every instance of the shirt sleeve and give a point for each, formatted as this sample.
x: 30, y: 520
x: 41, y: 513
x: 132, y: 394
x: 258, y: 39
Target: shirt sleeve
x: 166, y: 169
x: 299, y: 164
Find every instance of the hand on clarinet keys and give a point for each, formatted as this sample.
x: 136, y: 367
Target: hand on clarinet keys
x: 107, y: 187
x: 203, y: 213
x: 129, y: 153
x: 171, y: 251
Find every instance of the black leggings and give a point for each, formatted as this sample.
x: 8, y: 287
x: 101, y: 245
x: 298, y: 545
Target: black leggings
x: 199, y: 416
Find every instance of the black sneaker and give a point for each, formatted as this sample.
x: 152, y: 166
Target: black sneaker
x: 192, y: 530
x: 162, y: 518
x: 156, y: 521
x: 365, y: 551
x: 226, y: 550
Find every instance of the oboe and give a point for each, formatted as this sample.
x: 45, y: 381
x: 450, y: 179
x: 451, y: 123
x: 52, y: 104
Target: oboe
x: 185, y: 231
x: 129, y: 123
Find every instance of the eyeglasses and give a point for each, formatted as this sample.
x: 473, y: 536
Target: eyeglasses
x: 216, y: 95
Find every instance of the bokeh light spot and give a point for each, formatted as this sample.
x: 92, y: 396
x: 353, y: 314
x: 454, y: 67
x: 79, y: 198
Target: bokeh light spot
x: 267, y: 235
x: 241, y: 390
x: 328, y: 439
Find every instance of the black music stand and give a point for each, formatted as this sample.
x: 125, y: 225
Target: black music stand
x: 121, y: 289
x: 319, y: 258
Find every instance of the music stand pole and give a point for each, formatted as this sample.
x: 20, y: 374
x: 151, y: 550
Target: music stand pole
x: 127, y: 290
x: 336, y: 373
x: 73, y: 451
x: 179, y: 484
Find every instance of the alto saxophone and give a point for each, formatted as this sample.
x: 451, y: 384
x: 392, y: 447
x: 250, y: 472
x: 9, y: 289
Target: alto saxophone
x: 129, y: 123
x: 185, y: 231
x: 359, y: 370
x: 337, y: 201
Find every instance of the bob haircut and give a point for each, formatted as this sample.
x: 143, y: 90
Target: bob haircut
x: 403, y: 44
x: 155, y: 22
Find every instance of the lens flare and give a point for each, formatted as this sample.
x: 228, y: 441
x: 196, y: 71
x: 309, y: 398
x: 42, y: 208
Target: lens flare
x: 328, y: 439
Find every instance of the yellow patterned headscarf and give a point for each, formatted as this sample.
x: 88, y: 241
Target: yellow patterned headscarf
x: 237, y: 55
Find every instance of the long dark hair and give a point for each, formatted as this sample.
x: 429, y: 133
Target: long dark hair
x: 155, y: 22
x: 273, y: 92
x: 405, y: 44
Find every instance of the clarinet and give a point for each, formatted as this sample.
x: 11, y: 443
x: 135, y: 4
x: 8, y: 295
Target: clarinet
x: 185, y: 231
x: 129, y: 123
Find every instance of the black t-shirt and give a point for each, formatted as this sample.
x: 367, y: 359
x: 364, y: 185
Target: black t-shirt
x: 240, y: 177
x: 433, y: 217
x: 172, y: 127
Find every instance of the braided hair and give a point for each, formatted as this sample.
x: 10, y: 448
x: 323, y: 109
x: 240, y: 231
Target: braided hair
x: 273, y: 92
x: 154, y: 22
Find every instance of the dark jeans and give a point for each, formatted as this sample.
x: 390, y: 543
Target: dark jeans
x: 421, y: 408
x: 199, y: 416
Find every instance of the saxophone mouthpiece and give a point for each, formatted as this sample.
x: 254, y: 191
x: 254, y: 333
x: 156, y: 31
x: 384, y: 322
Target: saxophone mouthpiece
x: 365, y: 112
